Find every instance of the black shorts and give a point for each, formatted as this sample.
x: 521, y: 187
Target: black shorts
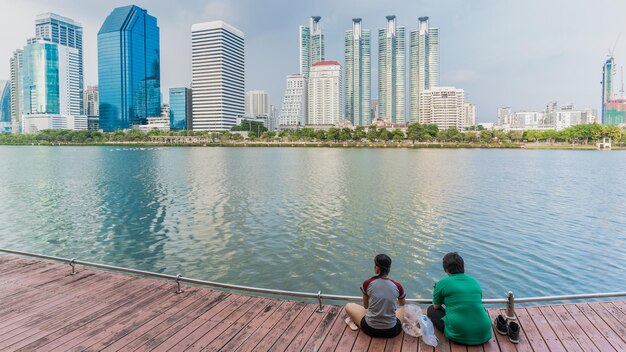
x: 386, y: 333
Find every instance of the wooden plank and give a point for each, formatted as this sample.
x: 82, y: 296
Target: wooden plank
x: 444, y: 344
x: 220, y: 325
x: 217, y: 338
x: 67, y: 340
x: 612, y: 328
x: 277, y: 330
x: 478, y: 348
x: 395, y: 344
x: 409, y: 343
x: 164, y: 322
x: 220, y: 301
x: 347, y: 339
x: 377, y: 344
x: 232, y: 307
x: 617, y: 313
x: 587, y: 326
x: 170, y: 327
x: 544, y: 328
x: 48, y: 310
x: 572, y: 326
x: 331, y: 340
x: 532, y: 333
x: 503, y: 340
x: 242, y: 335
x: 362, y: 342
x: 52, y: 327
x: 313, y: 325
x: 32, y: 301
x: 119, y: 341
x: 455, y: 347
x: 51, y: 322
x: 294, y: 328
x: 315, y: 341
x: 249, y: 339
x: 560, y: 330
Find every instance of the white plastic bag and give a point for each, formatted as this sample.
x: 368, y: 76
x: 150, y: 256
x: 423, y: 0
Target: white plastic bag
x: 417, y: 324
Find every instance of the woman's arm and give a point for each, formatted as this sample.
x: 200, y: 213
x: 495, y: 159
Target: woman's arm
x: 366, y: 301
x: 401, y: 301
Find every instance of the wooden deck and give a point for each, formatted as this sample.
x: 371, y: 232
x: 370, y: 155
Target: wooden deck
x: 44, y: 308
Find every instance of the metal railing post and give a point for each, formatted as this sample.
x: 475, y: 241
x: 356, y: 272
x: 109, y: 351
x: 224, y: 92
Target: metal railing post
x: 510, y: 306
x: 319, y: 299
x: 178, y: 290
x: 73, y: 264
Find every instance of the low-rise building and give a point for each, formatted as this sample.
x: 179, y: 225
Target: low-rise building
x: 34, y: 123
x: 444, y: 107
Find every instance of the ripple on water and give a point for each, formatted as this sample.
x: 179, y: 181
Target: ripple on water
x: 535, y: 222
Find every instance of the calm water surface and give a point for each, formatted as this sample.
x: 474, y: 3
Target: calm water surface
x: 535, y: 222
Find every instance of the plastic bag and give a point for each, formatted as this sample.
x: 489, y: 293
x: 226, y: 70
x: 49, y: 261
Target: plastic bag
x: 417, y: 324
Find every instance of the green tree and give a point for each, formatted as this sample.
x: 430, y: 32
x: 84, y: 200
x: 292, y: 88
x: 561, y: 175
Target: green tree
x: 372, y: 133
x: 397, y: 135
x: 359, y: 133
x: 486, y: 135
x: 332, y: 134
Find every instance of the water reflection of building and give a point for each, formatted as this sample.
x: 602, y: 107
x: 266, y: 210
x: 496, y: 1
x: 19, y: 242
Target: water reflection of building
x: 129, y: 78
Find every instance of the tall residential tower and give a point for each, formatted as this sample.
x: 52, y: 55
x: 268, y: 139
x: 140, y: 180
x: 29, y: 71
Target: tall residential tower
x: 129, y: 68
x: 392, y: 72
x: 217, y: 76
x: 424, y: 66
x: 358, y: 69
x: 311, y: 45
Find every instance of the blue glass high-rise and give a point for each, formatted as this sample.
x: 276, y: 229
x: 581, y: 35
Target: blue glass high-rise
x: 129, y: 78
x: 5, y: 108
x: 180, y: 109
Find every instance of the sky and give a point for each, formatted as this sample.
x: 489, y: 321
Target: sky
x: 521, y: 54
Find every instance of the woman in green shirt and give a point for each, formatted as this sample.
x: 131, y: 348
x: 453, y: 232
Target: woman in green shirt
x: 464, y: 319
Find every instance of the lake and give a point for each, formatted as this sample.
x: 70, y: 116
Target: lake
x: 538, y: 222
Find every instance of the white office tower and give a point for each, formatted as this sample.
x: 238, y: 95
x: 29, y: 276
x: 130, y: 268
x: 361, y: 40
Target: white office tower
x: 444, y: 107
x: 91, y: 101
x: 324, y: 93
x: 258, y: 104
x: 392, y: 72
x: 358, y: 69
x: 217, y: 76
x: 424, y: 66
x: 63, y: 31
x: 470, y: 115
x: 293, y: 112
x: 16, y: 90
x: 311, y: 45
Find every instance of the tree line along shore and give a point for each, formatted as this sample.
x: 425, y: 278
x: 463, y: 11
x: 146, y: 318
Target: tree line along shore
x: 415, y: 135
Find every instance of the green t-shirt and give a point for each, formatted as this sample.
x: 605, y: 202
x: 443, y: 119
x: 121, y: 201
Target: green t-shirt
x: 466, y: 320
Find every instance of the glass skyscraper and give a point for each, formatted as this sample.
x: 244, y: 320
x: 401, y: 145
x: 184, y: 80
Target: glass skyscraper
x: 50, y: 81
x: 311, y: 45
x: 5, y: 107
x: 129, y: 78
x: 180, y: 109
x: 424, y: 67
x: 392, y: 72
x: 358, y: 74
x: 64, y: 31
x: 608, y: 71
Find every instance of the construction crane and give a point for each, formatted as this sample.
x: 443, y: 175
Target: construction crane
x: 611, y: 51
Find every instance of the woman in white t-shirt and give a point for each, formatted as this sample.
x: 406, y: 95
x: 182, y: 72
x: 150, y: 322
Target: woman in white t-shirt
x: 381, y: 296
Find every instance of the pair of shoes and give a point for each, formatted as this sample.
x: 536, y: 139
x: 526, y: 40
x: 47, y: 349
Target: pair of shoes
x: 511, y: 329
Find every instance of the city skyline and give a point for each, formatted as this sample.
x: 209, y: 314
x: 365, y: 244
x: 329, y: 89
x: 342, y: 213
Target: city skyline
x: 519, y: 59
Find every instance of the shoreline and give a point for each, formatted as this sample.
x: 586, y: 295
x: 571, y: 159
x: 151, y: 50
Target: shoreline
x: 390, y: 145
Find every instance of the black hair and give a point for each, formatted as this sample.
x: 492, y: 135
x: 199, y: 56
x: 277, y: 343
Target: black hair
x: 383, y: 262
x: 453, y: 263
